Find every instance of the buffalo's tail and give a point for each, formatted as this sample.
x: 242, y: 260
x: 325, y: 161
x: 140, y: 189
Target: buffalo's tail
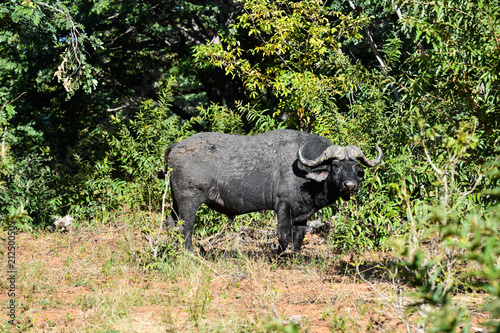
x: 161, y: 173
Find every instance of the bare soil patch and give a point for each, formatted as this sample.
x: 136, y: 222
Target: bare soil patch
x: 90, y: 280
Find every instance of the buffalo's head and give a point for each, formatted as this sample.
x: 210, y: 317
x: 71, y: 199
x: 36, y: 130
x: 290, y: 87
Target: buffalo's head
x: 340, y: 165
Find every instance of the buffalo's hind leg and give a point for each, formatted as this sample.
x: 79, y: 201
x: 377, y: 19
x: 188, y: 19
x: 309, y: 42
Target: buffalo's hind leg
x: 186, y: 213
x: 172, y: 219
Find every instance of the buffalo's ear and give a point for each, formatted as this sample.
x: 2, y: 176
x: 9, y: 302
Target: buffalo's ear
x: 312, y: 150
x: 319, y: 173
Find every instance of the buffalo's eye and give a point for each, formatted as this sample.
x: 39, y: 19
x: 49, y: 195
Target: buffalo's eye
x: 361, y: 174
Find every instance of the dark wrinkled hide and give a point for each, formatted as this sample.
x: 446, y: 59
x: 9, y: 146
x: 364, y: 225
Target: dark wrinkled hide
x: 241, y: 174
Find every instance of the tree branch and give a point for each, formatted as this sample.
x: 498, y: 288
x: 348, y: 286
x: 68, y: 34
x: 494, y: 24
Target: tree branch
x: 186, y: 116
x: 376, y: 53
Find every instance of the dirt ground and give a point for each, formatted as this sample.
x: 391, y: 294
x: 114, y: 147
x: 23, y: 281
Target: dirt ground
x: 96, y: 279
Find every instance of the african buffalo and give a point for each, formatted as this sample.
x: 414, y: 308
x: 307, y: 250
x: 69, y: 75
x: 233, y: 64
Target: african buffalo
x: 291, y: 172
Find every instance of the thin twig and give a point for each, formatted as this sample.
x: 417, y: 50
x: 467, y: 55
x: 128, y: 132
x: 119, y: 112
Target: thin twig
x: 465, y: 194
x: 163, y: 205
x: 430, y: 160
x: 15, y: 99
x: 395, y: 302
x: 204, y: 262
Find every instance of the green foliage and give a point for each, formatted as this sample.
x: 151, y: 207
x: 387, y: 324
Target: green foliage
x: 262, y: 120
x: 68, y: 36
x: 32, y: 184
x: 221, y: 119
x: 165, y: 250
x: 464, y: 237
x: 367, y: 221
x: 451, y: 100
x: 15, y: 220
x: 132, y: 149
x: 17, y: 217
x: 278, y: 326
x: 293, y: 52
x: 453, y: 73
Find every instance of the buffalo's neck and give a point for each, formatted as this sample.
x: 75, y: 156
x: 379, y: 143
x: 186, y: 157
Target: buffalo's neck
x: 320, y: 195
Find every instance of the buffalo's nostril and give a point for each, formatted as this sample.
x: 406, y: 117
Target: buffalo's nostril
x: 350, y: 185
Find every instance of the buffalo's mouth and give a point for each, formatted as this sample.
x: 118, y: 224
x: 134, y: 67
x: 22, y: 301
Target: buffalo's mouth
x: 346, y: 195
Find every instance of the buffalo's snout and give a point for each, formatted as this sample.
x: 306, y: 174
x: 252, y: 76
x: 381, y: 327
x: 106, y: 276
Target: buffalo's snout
x: 350, y: 186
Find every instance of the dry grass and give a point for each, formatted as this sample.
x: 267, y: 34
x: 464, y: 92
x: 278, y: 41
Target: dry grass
x: 91, y: 280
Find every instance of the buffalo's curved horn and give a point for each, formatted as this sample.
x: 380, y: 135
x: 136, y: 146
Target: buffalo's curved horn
x: 334, y: 151
x: 353, y: 152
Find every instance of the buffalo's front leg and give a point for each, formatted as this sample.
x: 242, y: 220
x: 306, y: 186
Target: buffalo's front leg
x: 299, y: 231
x: 286, y: 215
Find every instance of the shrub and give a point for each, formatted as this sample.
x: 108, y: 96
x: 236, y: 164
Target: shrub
x: 463, y: 240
